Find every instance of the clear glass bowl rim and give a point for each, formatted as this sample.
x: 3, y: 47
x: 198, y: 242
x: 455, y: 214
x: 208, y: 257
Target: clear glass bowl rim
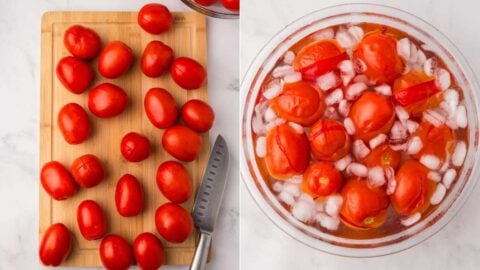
x: 209, y: 12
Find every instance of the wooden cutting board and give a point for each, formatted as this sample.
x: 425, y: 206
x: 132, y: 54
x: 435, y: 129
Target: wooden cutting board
x: 188, y: 38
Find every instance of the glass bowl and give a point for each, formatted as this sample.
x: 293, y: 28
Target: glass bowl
x: 423, y: 32
x: 215, y: 10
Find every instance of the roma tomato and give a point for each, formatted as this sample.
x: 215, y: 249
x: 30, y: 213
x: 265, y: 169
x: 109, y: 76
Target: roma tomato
x: 55, y: 245
x: 116, y: 253
x: 156, y: 58
x: 74, y: 124
x: 74, y: 74
x: 198, y: 115
x: 233, y: 5
x: 329, y: 140
x: 288, y: 152
x: 384, y: 156
x: 115, y: 59
x: 107, y: 100
x: 129, y: 196
x: 91, y: 220
x: 188, y: 73
x: 57, y: 181
x: 87, y: 171
x: 364, y: 207
x: 174, y: 181
x: 135, y: 147
x: 155, y: 18
x: 182, y: 143
x: 438, y: 141
x: 148, y: 251
x: 82, y: 42
x: 321, y: 179
x: 161, y: 108
x: 206, y: 2
x: 300, y: 102
x: 173, y: 223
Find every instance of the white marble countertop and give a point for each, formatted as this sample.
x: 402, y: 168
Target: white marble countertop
x: 19, y: 109
x: 264, y: 246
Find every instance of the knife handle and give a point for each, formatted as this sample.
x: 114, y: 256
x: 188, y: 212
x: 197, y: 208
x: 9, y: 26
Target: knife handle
x: 201, y: 253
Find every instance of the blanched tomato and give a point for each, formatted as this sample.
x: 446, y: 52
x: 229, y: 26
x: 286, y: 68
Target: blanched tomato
x: 300, y: 102
x: 148, y: 251
x: 182, y: 143
x: 188, y: 73
x: 87, y: 171
x: 438, y: 141
x: 135, y: 147
x: 173, y: 223
x: 329, y: 140
x: 155, y: 18
x: 91, y: 220
x: 321, y: 179
x: 107, y: 100
x: 161, y: 108
x: 57, y: 181
x: 82, y: 42
x: 156, y: 58
x: 174, y: 181
x: 233, y: 5
x: 129, y: 196
x: 206, y: 2
x: 198, y: 115
x: 384, y: 156
x: 115, y: 59
x: 116, y: 253
x: 74, y: 74
x: 56, y: 245
x: 74, y: 124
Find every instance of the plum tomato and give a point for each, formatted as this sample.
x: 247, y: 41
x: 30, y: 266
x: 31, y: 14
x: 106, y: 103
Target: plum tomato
x: 161, y: 108
x: 74, y: 123
x: 87, y: 171
x: 74, y: 74
x: 384, y: 156
x: 188, y: 73
x: 156, y: 58
x: 300, y: 102
x: 182, y: 143
x: 56, y: 245
x: 413, y: 190
x: 115, y: 59
x: 321, y: 179
x: 116, y: 253
x: 329, y: 140
x: 206, y: 2
x: 91, y: 220
x: 155, y: 18
x: 135, y: 147
x: 378, y: 52
x: 364, y: 207
x: 174, y: 181
x: 233, y: 5
x: 438, y: 141
x: 107, y: 100
x: 57, y: 181
x: 198, y: 115
x: 129, y: 196
x: 148, y: 251
x: 173, y: 222
x: 288, y: 152
x: 372, y: 114
x: 82, y: 42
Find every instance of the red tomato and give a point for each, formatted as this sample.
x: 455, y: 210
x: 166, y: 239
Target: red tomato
x: 91, y: 220
x: 182, y: 143
x: 129, y: 196
x: 300, y: 102
x: 55, y: 245
x: 198, y: 115
x: 135, y: 147
x: 206, y: 2
x: 148, y: 251
x: 115, y: 59
x: 87, y: 171
x: 173, y: 222
x: 384, y: 156
x: 116, y: 253
x: 74, y: 124
x: 233, y: 5
x: 188, y: 73
x: 329, y: 140
x: 155, y: 18
x: 438, y: 141
x: 82, y: 42
x: 107, y: 100
x: 57, y: 181
x: 156, y: 58
x: 321, y: 179
x: 174, y: 181
x: 161, y: 109
x: 288, y: 152
x: 74, y: 74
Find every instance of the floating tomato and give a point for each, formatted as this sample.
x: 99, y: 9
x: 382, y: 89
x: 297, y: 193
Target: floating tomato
x: 74, y: 124
x: 173, y: 223
x: 56, y: 245
x: 88, y: 171
x: 198, y: 115
x: 129, y: 196
x: 182, y: 143
x: 115, y: 59
x: 148, y: 251
x: 155, y: 18
x: 188, y: 73
x: 156, y: 58
x: 174, y: 181
x: 116, y: 253
x: 438, y: 141
x: 384, y: 156
x: 329, y: 140
x: 107, y: 100
x: 57, y: 181
x: 135, y: 147
x: 82, y: 42
x: 91, y: 220
x: 74, y: 74
x: 161, y: 108
x: 206, y: 2
x: 233, y: 5
x: 321, y: 179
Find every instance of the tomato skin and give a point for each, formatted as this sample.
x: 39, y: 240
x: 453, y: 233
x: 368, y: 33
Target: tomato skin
x: 384, y: 156
x: 156, y: 58
x: 174, y: 181
x: 129, y: 198
x: 188, y: 73
x: 182, y: 143
x: 82, y: 42
x: 233, y: 5
x: 74, y: 74
x: 56, y: 245
x: 116, y: 253
x: 74, y: 124
x: 329, y: 140
x: 107, y: 100
x: 135, y: 147
x: 161, y: 108
x: 321, y: 179
x: 115, y: 59
x: 173, y: 222
x: 438, y: 141
x: 87, y: 171
x: 206, y: 2
x: 155, y: 18
x: 148, y: 251
x: 91, y: 220
x: 57, y: 181
x: 198, y: 115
